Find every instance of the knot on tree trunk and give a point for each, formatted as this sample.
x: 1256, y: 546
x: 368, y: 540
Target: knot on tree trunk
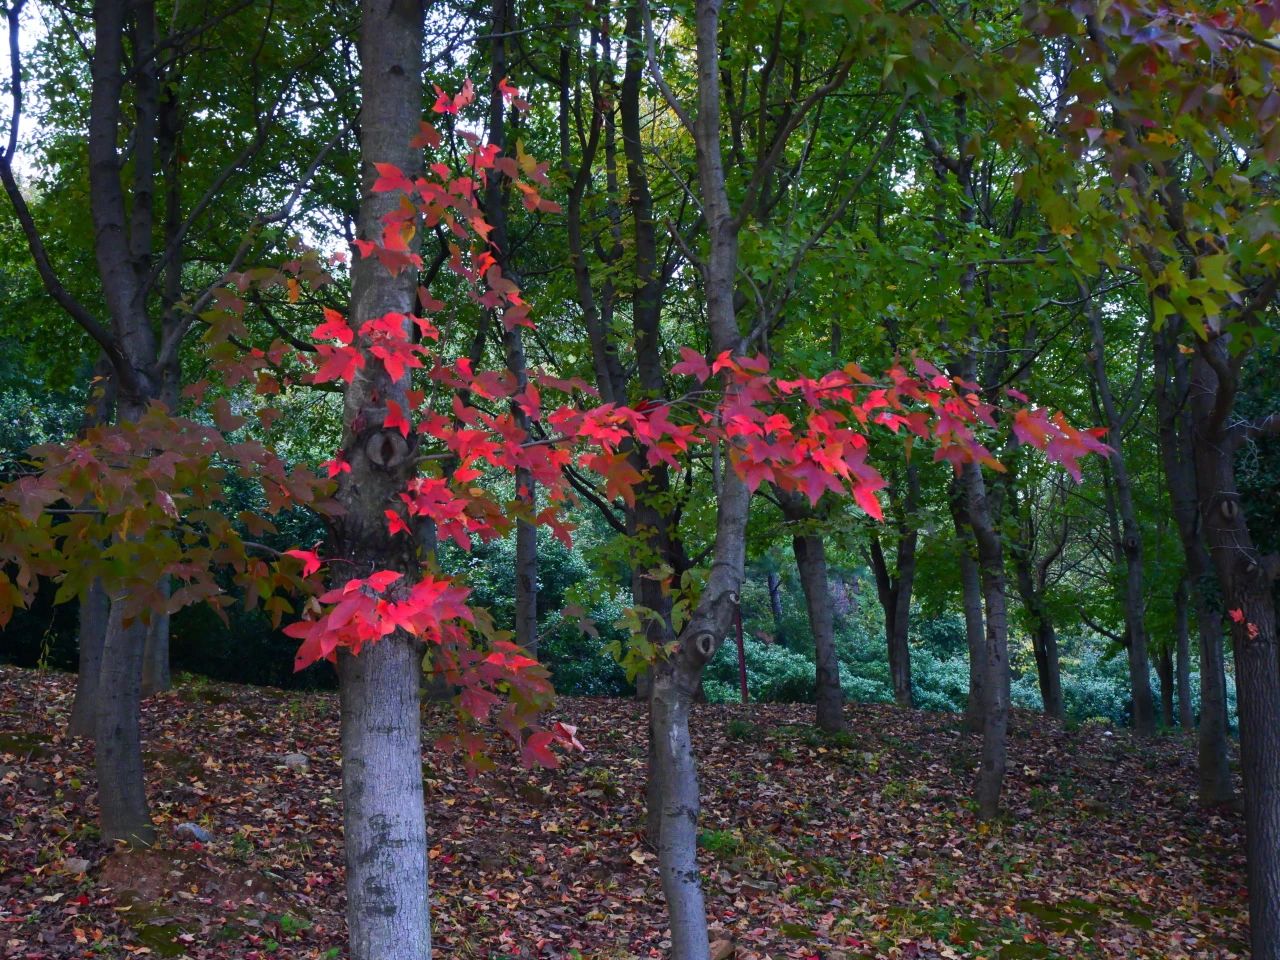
x: 387, y: 449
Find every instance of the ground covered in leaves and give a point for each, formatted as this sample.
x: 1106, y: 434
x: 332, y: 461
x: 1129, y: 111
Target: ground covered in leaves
x: 813, y: 847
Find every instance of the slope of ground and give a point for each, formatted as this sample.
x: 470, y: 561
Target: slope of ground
x: 854, y: 847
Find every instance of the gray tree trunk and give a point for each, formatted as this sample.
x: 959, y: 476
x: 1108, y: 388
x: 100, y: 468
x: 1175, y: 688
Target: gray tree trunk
x: 495, y: 208
x: 1177, y: 457
x: 1247, y: 580
x: 95, y: 608
x: 971, y: 593
x: 1130, y: 545
x: 995, y: 719
x: 811, y: 560
x: 1164, y: 670
x: 156, y: 676
x: 122, y: 793
x: 894, y: 588
x: 811, y: 564
x: 677, y: 678
x: 384, y: 819
x: 1044, y: 637
x: 1186, y: 715
x: 775, y: 604
x: 384, y: 823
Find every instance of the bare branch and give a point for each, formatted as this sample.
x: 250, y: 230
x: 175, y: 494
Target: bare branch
x: 656, y: 72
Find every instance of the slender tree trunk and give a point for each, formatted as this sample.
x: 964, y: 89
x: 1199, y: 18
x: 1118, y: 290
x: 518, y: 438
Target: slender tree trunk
x: 971, y: 591
x: 1186, y: 716
x: 811, y: 559
x: 677, y: 678
x: 156, y: 677
x: 811, y: 564
x: 1130, y: 546
x: 894, y: 590
x: 526, y: 561
x: 1247, y: 581
x: 775, y: 605
x: 384, y: 823
x: 995, y: 720
x: 95, y: 608
x: 1164, y: 670
x: 1177, y: 457
x: 122, y: 793
x: 383, y: 810
x: 1048, y: 668
x: 1044, y: 637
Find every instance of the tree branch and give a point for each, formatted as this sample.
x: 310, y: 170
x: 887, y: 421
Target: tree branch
x: 656, y: 72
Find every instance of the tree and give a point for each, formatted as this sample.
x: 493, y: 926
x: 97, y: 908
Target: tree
x: 140, y: 316
x: 1153, y: 75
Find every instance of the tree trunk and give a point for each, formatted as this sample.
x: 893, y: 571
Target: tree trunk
x: 775, y: 605
x: 1246, y: 579
x: 971, y: 589
x: 1177, y: 457
x: 1130, y: 545
x: 526, y: 560
x: 811, y: 561
x: 383, y: 811
x: 1048, y: 669
x: 122, y: 793
x: 995, y: 720
x: 1164, y: 670
x: 1186, y: 716
x: 675, y: 772
x: 677, y: 678
x: 893, y: 587
x: 384, y: 824
x: 1044, y: 638
x: 156, y: 677
x: 95, y: 608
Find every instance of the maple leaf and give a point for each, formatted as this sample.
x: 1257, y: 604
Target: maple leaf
x: 395, y: 419
x: 336, y: 363
x: 310, y: 560
x: 693, y: 364
x: 390, y: 179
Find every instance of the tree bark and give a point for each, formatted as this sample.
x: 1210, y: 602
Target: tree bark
x: 384, y: 823
x: 811, y: 563
x: 1048, y: 668
x: 95, y: 608
x: 122, y: 793
x: 1044, y: 638
x: 811, y: 560
x: 156, y: 676
x: 495, y: 209
x: 1130, y: 545
x: 677, y: 678
x: 383, y: 810
x: 95, y: 605
x: 1247, y: 581
x: 995, y: 720
x: 971, y: 591
x: 1164, y: 670
x: 775, y: 604
x: 1186, y: 716
x: 1178, y: 460
x: 894, y: 588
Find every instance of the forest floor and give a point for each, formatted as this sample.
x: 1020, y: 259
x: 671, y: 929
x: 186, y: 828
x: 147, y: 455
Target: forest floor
x: 837, y: 849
